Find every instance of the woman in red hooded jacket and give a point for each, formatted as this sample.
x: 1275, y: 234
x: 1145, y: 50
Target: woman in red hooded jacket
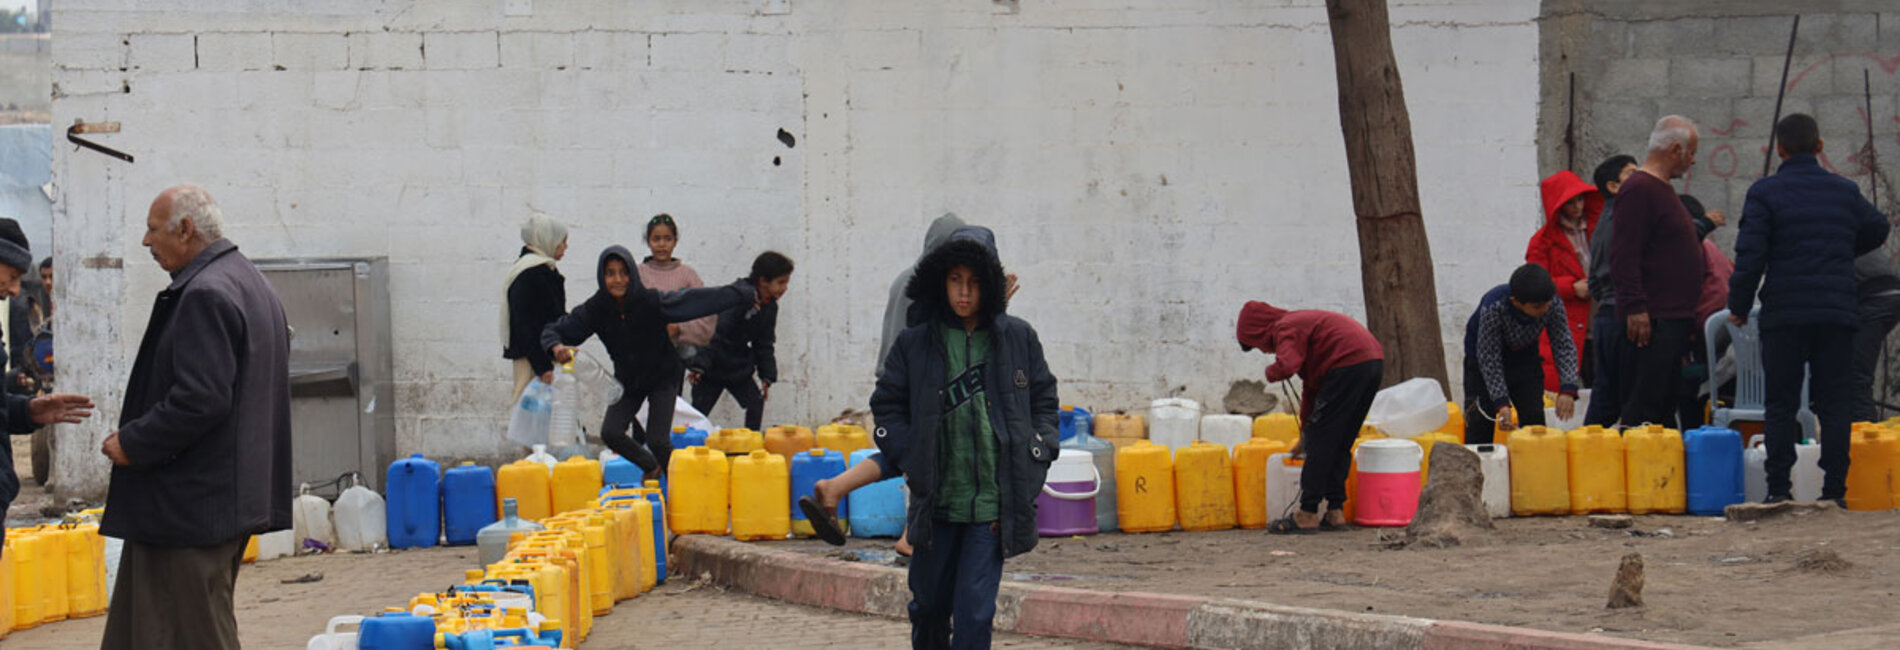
x: 1562, y: 247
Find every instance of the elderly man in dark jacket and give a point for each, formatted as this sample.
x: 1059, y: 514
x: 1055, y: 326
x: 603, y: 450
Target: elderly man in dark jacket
x: 20, y: 415
x: 1803, y: 227
x: 202, y: 455
x: 966, y: 410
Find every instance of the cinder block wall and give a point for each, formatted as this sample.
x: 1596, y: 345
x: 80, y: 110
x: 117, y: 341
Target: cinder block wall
x: 1148, y: 166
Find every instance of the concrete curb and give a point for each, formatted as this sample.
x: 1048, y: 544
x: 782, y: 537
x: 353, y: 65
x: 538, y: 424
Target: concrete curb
x: 1134, y: 618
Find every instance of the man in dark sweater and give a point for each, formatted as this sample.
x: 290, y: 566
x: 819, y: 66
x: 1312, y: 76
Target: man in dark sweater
x: 1879, y: 287
x: 1656, y: 265
x: 1606, y: 330
x: 1803, y: 227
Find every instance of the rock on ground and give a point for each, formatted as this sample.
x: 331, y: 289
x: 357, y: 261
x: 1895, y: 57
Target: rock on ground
x: 1627, y: 589
x: 1250, y: 398
x: 1451, y: 511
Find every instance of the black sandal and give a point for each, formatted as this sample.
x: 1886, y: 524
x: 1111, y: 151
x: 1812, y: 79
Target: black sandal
x: 1286, y: 526
x: 1331, y: 527
x: 822, y: 521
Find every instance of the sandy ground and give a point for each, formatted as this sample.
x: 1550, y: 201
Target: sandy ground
x: 1709, y: 581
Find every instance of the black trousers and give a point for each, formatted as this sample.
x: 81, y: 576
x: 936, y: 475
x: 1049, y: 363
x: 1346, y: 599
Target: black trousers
x: 1340, y: 409
x: 1877, y: 318
x: 706, y: 395
x: 1606, y: 396
x: 1651, y: 376
x: 1822, y: 354
x: 658, y: 433
x: 1523, y: 380
x: 175, y: 597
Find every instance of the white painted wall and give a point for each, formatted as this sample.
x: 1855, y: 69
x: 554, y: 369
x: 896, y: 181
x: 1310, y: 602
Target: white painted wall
x: 1148, y: 166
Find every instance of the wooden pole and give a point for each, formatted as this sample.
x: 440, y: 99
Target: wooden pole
x: 1779, y: 94
x: 1395, y: 260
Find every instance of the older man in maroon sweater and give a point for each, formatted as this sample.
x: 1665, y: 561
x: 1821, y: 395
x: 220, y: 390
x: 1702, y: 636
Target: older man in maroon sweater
x: 1656, y: 263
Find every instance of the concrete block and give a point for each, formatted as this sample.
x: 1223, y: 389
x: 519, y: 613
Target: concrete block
x: 386, y: 50
x: 461, y: 50
x: 1837, y: 32
x: 1666, y: 38
x: 689, y: 52
x: 80, y: 83
x: 1634, y: 78
x: 1246, y: 625
x: 610, y: 50
x: 84, y: 51
x: 1752, y: 35
x: 228, y: 51
x: 887, y: 49
x: 308, y: 51
x: 162, y: 52
x: 538, y: 50
x: 388, y: 89
x: 335, y: 89
x: 1694, y: 77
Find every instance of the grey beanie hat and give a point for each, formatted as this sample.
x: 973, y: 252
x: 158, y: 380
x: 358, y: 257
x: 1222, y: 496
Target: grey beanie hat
x: 14, y: 250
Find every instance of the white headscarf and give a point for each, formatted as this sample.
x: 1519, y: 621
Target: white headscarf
x: 543, y: 236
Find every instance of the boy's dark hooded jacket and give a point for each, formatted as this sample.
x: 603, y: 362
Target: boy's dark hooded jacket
x: 1306, y: 343
x: 742, y: 343
x: 909, y: 401
x: 634, y: 329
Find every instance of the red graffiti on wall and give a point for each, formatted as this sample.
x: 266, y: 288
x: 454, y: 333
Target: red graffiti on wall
x: 1724, y: 160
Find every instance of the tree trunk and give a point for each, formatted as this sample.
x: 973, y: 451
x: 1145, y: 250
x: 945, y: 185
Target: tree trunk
x: 1395, y: 261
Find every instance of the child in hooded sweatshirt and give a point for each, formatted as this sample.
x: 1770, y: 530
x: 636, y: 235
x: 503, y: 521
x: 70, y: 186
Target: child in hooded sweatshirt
x: 1503, y: 369
x: 1562, y: 247
x: 631, y: 321
x: 966, y: 411
x: 743, y: 344
x: 1340, y: 366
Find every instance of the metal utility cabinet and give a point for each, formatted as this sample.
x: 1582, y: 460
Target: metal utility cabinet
x: 342, y: 397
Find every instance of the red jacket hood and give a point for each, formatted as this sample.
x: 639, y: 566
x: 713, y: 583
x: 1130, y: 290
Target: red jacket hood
x: 1256, y: 325
x: 1560, y: 188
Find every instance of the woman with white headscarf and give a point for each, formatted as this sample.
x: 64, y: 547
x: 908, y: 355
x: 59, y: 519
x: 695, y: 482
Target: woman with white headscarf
x: 535, y: 295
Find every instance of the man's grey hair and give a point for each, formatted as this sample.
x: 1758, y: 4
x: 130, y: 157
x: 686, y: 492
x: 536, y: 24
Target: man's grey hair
x: 1671, y: 130
x: 194, y: 203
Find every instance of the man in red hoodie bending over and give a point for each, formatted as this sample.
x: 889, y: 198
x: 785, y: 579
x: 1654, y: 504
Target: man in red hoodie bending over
x: 1340, y: 366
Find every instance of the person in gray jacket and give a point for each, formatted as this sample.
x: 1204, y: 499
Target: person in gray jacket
x: 201, y: 459
x: 1606, y: 330
x: 1879, y: 288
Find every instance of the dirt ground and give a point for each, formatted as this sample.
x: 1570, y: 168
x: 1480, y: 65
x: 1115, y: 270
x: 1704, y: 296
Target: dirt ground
x: 1709, y: 581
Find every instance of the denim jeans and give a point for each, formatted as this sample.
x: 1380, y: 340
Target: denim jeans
x: 953, y: 583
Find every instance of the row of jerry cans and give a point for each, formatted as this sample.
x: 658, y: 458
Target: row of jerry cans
x: 51, y: 572
x: 545, y: 590
x: 752, y: 495
x: 785, y: 440
x: 1642, y: 470
x: 541, y: 489
x: 1175, y: 423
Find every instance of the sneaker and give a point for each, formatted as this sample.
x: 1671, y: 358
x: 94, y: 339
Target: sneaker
x: 1776, y: 498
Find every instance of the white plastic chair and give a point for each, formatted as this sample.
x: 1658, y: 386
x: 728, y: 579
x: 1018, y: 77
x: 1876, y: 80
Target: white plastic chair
x: 1751, y: 383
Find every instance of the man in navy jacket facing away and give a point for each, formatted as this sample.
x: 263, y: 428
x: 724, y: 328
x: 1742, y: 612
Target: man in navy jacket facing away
x: 1803, y: 227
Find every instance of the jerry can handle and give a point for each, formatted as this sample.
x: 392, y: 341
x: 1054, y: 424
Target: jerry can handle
x: 338, y: 621
x: 1077, y: 496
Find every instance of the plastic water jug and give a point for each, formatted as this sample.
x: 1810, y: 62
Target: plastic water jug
x: 492, y: 540
x: 687, y: 437
x: 1250, y: 480
x: 1409, y: 408
x: 563, y: 430
x: 1871, y: 478
x: 878, y: 509
x: 1174, y: 422
x: 1388, y: 482
x: 787, y: 440
x: 808, y: 467
x: 468, y: 502
x: 310, y: 518
x: 396, y: 631
x: 1103, y: 452
x: 331, y: 639
x: 415, y: 517
x: 1713, y: 458
x: 576, y: 483
x: 1425, y: 443
x: 761, y: 497
x: 615, y: 470
x: 482, y: 639
x: 1281, y: 427
x: 736, y: 442
x: 1065, y: 423
x: 282, y: 543
x: 1283, y: 484
x: 704, y: 480
x: 843, y: 438
x: 528, y: 482
x: 1805, y: 476
x: 1204, y: 486
x: 1596, y: 458
x: 1227, y: 430
x: 39, y: 576
x: 85, y: 570
x: 6, y: 589
x: 1121, y: 429
x: 539, y: 454
x: 1144, y: 487
x: 1540, y: 471
x: 1366, y: 432
x: 1656, y: 474
x: 1454, y: 422
x: 1066, y: 505
x: 662, y: 529
x: 1494, y: 462
x: 644, y: 534
x: 362, y: 521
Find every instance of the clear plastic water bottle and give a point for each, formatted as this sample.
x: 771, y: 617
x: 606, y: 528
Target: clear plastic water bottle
x: 563, y: 430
